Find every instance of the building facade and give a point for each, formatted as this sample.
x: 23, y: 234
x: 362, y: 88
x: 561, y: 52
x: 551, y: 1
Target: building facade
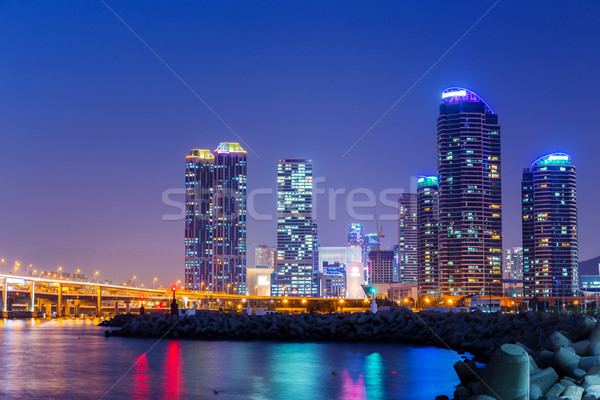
x: 407, y: 238
x: 351, y: 259
x: 258, y: 281
x: 513, y: 264
x: 549, y: 208
x: 264, y: 256
x: 199, y: 186
x: 427, y: 222
x: 215, y: 231
x: 470, y: 195
x: 355, y: 235
x: 297, y: 249
x: 381, y: 263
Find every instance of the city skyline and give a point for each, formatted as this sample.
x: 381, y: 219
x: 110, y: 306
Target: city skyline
x: 323, y: 87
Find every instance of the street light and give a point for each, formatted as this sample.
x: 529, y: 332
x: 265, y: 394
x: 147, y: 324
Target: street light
x: 228, y: 286
x: 58, y: 271
x: 3, y: 261
x: 154, y: 282
x: 16, y: 268
x: 29, y: 266
x: 95, y: 275
x: 133, y: 281
x: 77, y: 274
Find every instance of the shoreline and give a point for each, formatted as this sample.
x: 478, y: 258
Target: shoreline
x: 476, y: 333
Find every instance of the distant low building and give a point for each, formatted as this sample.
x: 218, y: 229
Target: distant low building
x: 258, y: 281
x: 590, y: 283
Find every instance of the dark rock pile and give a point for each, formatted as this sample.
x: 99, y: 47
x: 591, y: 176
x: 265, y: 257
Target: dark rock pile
x: 564, y: 365
x: 478, y: 333
x: 119, y: 320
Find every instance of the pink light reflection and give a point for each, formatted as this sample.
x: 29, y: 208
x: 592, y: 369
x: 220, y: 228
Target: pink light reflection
x: 351, y: 390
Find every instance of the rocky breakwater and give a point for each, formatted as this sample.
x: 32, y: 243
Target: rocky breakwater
x: 564, y: 365
x: 478, y: 333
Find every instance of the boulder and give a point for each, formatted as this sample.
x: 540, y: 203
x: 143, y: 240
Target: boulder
x: 590, y: 380
x: 534, y: 391
x: 585, y: 325
x: 581, y: 347
x: 587, y: 362
x: 533, y: 367
x: 566, y: 360
x: 507, y: 374
x: 466, y: 373
x: 558, y: 340
x: 573, y: 392
x: 544, y: 379
x: 594, y: 347
x: 556, y: 390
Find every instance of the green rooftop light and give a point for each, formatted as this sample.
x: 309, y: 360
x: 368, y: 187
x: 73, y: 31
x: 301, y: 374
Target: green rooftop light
x: 425, y: 180
x: 553, y: 159
x: 227, y: 147
x: 201, y: 153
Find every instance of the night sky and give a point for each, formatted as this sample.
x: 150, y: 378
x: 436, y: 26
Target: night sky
x: 94, y: 127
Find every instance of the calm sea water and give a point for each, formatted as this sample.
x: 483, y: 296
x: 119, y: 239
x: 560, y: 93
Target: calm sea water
x: 71, y: 359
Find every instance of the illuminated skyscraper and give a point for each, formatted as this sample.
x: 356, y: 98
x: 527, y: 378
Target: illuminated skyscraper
x: 470, y: 195
x: 407, y: 238
x: 513, y: 264
x: 296, y: 270
x: 355, y: 235
x: 215, y: 229
x: 550, y: 259
x: 370, y: 242
x: 381, y: 263
x: 199, y: 181
x: 427, y: 221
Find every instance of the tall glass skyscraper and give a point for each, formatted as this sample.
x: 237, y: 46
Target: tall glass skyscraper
x: 355, y: 235
x: 550, y: 259
x: 470, y: 195
x: 199, y: 186
x: 427, y: 222
x: 296, y: 269
x: 407, y: 238
x: 215, y: 231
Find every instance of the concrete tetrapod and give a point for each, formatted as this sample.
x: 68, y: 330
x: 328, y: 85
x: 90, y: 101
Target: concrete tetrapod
x: 506, y: 376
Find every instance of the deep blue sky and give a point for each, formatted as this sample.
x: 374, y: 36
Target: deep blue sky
x: 94, y: 128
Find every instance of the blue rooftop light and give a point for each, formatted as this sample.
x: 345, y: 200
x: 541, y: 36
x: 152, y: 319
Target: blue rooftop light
x: 455, y: 94
x: 553, y: 159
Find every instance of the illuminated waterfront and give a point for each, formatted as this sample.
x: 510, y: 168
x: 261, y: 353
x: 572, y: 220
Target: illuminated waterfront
x: 72, y: 359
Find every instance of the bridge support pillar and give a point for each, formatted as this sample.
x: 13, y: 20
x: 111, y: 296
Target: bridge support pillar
x: 48, y: 307
x: 59, y: 305
x: 32, y: 297
x: 67, y: 308
x: 76, y: 304
x: 99, y: 302
x: 127, y: 306
x: 116, y: 307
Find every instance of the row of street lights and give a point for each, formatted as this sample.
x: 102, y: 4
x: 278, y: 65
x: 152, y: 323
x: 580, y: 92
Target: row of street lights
x: 58, y: 274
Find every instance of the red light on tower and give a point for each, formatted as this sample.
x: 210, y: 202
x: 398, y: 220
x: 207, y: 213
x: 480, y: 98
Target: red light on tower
x: 173, y: 288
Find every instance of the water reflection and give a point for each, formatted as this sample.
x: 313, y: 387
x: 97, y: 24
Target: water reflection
x: 141, y: 384
x: 353, y: 390
x: 72, y: 359
x: 173, y: 380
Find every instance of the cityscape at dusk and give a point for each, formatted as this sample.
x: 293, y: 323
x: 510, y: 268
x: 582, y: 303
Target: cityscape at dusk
x: 384, y: 183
